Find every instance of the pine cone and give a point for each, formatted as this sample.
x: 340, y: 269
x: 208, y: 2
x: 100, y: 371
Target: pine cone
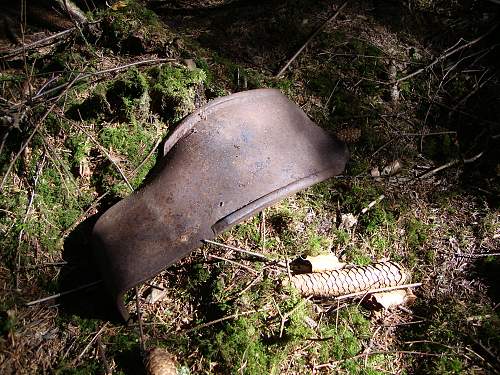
x: 351, y: 280
x: 161, y: 362
x: 349, y: 135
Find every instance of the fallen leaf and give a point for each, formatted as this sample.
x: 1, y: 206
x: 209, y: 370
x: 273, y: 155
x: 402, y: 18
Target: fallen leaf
x: 348, y: 221
x: 392, y: 168
x: 191, y: 65
x: 120, y: 4
x: 392, y: 298
x: 375, y: 172
x: 328, y: 262
x: 156, y: 295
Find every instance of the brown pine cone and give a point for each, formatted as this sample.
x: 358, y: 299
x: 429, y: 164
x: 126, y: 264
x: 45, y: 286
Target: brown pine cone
x: 349, y: 135
x: 161, y: 362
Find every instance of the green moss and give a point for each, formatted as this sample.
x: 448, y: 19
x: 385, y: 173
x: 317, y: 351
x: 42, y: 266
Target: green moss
x: 133, y: 28
x: 239, y: 346
x: 416, y: 233
x: 248, y: 230
x: 357, y: 196
x: 80, y: 147
x: 357, y: 167
x: 317, y: 244
x: 59, y: 204
x: 128, y: 95
x: 341, y: 238
x: 355, y: 255
x: 174, y: 91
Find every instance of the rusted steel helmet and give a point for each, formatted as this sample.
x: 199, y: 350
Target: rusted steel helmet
x: 225, y: 162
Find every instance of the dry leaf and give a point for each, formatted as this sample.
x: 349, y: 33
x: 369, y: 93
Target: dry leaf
x: 348, y: 221
x: 392, y: 168
x: 191, y: 65
x: 156, y: 295
x: 392, y: 298
x: 375, y: 172
x: 84, y: 168
x: 120, y: 4
x: 310, y: 322
x: 328, y: 262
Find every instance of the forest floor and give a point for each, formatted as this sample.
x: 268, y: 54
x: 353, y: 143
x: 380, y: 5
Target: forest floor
x: 414, y: 90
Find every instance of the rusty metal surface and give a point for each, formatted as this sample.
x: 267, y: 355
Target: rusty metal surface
x: 222, y: 164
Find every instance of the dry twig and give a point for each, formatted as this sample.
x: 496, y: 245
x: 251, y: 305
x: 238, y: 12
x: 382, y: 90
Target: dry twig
x: 61, y: 294
x: 256, y: 255
x: 450, y: 52
x: 235, y: 263
x: 34, y: 131
x: 89, y: 344
x: 311, y: 37
x: 233, y: 316
x: 404, y: 286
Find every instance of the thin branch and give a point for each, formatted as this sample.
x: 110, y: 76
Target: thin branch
x: 450, y: 164
x: 350, y: 295
x: 89, y: 344
x: 102, y: 356
x: 289, y: 313
x: 257, y: 255
x: 446, y: 55
x: 371, y: 204
x: 235, y: 263
x: 57, y: 295
x: 28, y: 210
x: 38, y: 43
x: 34, y: 131
x: 106, y: 153
x: 233, y: 316
x: 478, y: 255
x: 105, y: 71
x: 336, y: 363
x: 139, y: 320
x: 311, y: 37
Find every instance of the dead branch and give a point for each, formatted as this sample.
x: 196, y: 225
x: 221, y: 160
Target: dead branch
x: 61, y: 294
x: 257, y: 255
x: 233, y: 316
x: 34, y: 131
x: 102, y: 72
x: 89, y: 344
x: 311, y: 37
x: 450, y: 164
x: 21, y: 232
x: 108, y: 156
x: 404, y: 286
x: 142, y: 342
x: 39, y: 43
x: 235, y: 263
x: 446, y: 55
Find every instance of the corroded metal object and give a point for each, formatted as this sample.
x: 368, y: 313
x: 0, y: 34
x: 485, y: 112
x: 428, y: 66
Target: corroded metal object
x: 351, y: 280
x: 222, y: 164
